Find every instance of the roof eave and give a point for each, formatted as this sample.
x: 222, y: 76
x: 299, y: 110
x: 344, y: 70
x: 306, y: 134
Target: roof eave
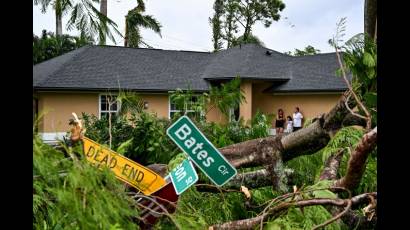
x: 76, y: 89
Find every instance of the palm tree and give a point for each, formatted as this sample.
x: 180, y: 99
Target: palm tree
x: 83, y: 17
x: 133, y: 20
x: 103, y: 11
x: 60, y: 7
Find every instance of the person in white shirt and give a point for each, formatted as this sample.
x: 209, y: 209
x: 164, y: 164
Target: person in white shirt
x: 297, y: 120
x: 289, y: 126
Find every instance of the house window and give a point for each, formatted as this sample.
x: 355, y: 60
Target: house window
x: 179, y: 109
x: 108, y: 104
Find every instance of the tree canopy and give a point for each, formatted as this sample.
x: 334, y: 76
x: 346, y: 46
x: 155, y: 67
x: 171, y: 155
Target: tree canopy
x: 48, y: 45
x: 231, y: 16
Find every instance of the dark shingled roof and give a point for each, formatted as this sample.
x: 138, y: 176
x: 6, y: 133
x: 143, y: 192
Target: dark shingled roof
x: 113, y: 67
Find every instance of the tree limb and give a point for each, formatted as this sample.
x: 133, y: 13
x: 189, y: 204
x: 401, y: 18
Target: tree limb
x: 351, y: 120
x: 357, y: 161
x: 276, y: 211
x: 332, y: 166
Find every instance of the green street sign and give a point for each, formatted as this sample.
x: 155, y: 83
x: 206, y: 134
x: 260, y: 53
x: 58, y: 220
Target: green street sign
x: 183, y: 176
x: 188, y: 137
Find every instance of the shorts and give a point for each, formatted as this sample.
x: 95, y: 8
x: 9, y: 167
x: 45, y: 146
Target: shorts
x: 279, y: 123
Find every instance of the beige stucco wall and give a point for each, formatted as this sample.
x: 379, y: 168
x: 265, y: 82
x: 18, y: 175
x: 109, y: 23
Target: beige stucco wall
x: 57, y: 109
x: 59, y: 106
x: 215, y: 115
x: 157, y: 103
x: 310, y: 104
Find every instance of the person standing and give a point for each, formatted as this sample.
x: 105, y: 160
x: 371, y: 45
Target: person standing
x: 280, y: 122
x: 297, y: 120
x: 289, y: 126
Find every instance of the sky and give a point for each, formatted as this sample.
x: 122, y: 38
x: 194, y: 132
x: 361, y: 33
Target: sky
x: 185, y: 23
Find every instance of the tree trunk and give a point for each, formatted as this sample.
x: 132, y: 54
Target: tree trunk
x: 103, y: 10
x: 370, y: 17
x: 59, y: 24
x: 126, y: 33
x: 266, y: 151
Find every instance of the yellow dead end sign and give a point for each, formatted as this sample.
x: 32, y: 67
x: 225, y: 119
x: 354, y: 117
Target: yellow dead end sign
x: 132, y: 173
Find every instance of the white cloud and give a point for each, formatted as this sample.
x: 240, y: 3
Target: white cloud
x: 185, y: 24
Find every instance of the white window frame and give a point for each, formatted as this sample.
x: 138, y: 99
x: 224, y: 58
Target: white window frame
x: 176, y: 110
x: 106, y: 111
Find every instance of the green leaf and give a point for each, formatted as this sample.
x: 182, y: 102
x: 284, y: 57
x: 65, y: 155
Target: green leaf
x: 324, y: 194
x: 338, y: 73
x: 370, y: 99
x: 368, y: 60
x: 150, y: 149
x: 272, y: 226
x: 124, y: 146
x: 371, y: 73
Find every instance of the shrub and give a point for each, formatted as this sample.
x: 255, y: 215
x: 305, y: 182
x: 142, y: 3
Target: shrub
x: 71, y: 194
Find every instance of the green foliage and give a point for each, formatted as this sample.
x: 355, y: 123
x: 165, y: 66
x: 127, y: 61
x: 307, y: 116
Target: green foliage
x: 189, y: 103
x: 134, y: 20
x: 236, y: 131
x: 196, y: 210
x: 309, y: 50
x: 48, y: 45
x: 227, y: 96
x: 307, y: 168
x: 360, y: 59
x: 320, y: 190
x: 237, y: 13
x: 215, y: 21
x: 71, y: 194
x: 84, y: 17
x: 140, y: 137
x: 130, y: 103
x: 251, y: 39
x: 296, y: 219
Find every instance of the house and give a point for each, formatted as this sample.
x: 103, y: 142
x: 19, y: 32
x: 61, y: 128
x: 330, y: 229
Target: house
x: 79, y: 81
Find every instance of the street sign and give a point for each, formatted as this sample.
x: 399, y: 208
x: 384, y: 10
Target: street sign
x: 201, y: 151
x: 132, y: 173
x: 183, y: 176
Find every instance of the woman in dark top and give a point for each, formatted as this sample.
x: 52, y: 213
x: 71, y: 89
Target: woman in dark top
x: 280, y: 122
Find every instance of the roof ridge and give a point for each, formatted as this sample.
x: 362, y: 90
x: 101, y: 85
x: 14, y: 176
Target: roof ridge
x: 140, y: 48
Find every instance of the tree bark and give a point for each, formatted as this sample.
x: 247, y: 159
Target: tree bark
x: 351, y: 120
x: 103, y: 10
x: 357, y: 162
x: 370, y: 17
x: 332, y: 166
x: 126, y: 33
x: 59, y: 24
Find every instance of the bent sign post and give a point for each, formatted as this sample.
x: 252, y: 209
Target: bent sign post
x: 183, y: 176
x: 188, y: 137
x: 132, y: 173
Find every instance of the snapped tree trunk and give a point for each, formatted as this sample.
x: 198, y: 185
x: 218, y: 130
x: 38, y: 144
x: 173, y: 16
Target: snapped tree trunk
x: 271, y: 152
